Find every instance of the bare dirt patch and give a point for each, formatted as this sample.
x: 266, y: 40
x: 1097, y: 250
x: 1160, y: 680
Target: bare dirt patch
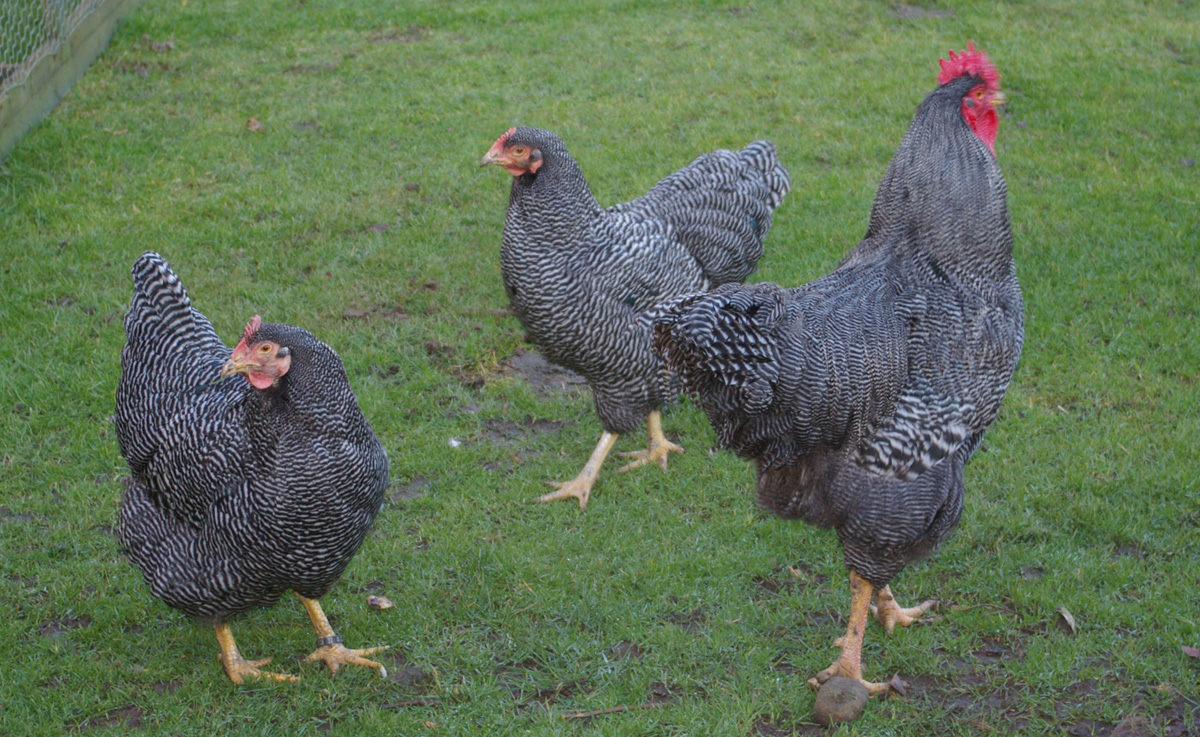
x: 505, y: 433
x: 404, y: 673
x: 130, y: 716
x: 542, y: 376
x: 688, y: 621
x: 61, y: 625
x: 411, y: 490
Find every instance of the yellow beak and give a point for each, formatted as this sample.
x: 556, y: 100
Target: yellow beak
x: 235, y: 365
x: 492, y: 157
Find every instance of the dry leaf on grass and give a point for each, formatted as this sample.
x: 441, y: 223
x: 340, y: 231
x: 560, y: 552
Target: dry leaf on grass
x: 1191, y: 652
x: 254, y: 125
x: 1066, y: 621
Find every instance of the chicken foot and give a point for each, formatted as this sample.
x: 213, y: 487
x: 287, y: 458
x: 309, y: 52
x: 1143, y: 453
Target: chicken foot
x: 889, y: 613
x: 237, y: 667
x: 658, y: 448
x: 849, y: 663
x: 580, y: 487
x: 329, y: 645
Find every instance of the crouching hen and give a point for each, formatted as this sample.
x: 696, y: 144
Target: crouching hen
x: 578, y: 275
x: 240, y: 488
x: 863, y: 394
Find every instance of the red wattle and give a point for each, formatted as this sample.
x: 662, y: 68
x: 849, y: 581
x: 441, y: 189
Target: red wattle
x: 259, y: 380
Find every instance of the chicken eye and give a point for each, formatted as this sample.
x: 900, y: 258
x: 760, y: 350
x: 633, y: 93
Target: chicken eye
x: 264, y: 348
x: 518, y: 151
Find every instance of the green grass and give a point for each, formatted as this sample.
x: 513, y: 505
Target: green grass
x: 1086, y: 495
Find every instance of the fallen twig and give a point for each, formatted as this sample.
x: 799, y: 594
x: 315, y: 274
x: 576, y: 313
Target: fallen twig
x: 613, y: 710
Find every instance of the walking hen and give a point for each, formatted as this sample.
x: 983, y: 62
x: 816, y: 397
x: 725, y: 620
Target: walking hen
x: 247, y: 488
x: 863, y: 394
x: 578, y: 275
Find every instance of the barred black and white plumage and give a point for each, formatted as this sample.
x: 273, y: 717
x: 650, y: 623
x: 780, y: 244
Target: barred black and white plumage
x: 577, y: 275
x: 863, y: 394
x: 236, y: 492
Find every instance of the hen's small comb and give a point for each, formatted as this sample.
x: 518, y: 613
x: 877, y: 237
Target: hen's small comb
x: 973, y: 62
x: 251, y: 328
x: 498, y: 146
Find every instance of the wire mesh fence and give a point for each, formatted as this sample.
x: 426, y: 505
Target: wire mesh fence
x: 31, y: 30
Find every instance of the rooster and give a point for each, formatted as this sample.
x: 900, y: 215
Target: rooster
x: 578, y: 275
x: 862, y: 395
x: 240, y: 489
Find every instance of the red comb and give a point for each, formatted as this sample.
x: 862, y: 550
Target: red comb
x: 972, y: 62
x: 251, y: 328
x: 498, y: 146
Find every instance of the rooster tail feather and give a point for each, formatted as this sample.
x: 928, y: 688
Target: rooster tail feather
x: 761, y: 156
x: 722, y: 347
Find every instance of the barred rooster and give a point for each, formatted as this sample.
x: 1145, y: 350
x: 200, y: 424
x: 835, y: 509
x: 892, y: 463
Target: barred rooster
x: 862, y: 395
x: 240, y: 489
x: 578, y: 275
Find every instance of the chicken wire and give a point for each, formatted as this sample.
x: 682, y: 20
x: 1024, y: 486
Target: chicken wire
x: 31, y: 30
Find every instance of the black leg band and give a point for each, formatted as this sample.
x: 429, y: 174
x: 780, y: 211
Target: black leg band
x: 331, y: 640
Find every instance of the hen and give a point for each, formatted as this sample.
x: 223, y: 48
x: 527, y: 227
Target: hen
x: 863, y: 394
x: 578, y: 275
x: 240, y: 489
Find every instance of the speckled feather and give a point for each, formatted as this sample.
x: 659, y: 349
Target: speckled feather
x: 578, y: 275
x: 863, y: 394
x: 235, y: 494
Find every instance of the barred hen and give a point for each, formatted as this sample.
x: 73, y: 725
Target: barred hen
x: 578, y: 275
x: 862, y: 395
x: 240, y: 489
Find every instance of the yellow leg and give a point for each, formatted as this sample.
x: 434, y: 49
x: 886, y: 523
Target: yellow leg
x: 890, y: 614
x: 657, y: 446
x: 849, y: 663
x: 580, y: 487
x: 237, y: 667
x: 329, y: 646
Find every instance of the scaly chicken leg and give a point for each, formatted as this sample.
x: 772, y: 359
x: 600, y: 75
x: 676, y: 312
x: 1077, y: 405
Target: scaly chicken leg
x: 849, y: 663
x: 329, y: 645
x: 890, y: 614
x: 658, y: 448
x: 580, y: 487
x: 237, y: 667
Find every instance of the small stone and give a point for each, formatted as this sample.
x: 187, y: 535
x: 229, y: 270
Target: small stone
x: 840, y: 699
x: 379, y: 602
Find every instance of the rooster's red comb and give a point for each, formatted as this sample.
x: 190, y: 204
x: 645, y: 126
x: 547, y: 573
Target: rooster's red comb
x: 973, y: 62
x: 251, y: 328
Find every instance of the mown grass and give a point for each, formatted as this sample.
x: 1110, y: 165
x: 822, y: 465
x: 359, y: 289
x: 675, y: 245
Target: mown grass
x: 669, y: 589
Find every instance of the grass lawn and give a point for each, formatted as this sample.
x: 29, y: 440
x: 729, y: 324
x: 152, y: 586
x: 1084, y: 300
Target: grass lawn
x: 358, y: 212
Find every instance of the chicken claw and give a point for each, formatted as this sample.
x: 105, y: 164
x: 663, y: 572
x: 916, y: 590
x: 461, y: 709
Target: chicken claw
x: 849, y: 663
x: 658, y: 448
x: 329, y: 645
x: 336, y: 655
x: 889, y: 613
x: 580, y: 487
x: 238, y: 668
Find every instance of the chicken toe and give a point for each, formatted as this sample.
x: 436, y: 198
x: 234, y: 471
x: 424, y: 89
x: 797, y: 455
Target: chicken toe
x: 890, y: 614
x: 330, y: 649
x: 238, y: 668
x: 658, y: 448
x: 580, y: 487
x: 849, y: 663
x: 335, y: 655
